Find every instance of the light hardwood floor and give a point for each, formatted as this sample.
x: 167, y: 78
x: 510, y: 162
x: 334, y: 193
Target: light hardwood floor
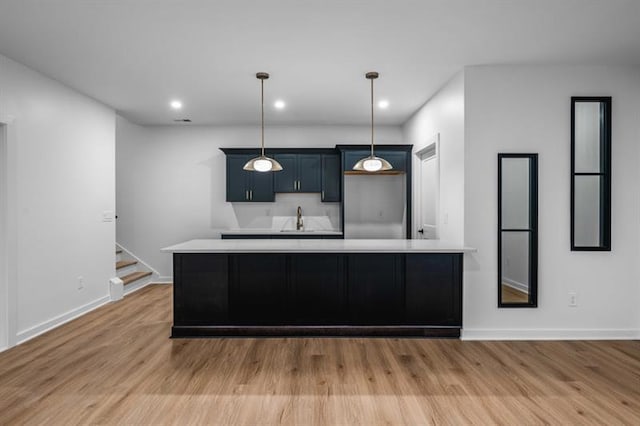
x: 117, y: 365
x: 511, y: 295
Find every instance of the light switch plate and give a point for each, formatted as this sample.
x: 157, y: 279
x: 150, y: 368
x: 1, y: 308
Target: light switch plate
x: 108, y: 216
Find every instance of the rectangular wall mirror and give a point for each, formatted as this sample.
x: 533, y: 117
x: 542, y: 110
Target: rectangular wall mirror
x: 517, y: 230
x: 591, y: 173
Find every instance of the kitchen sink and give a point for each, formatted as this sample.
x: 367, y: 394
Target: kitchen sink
x: 295, y: 230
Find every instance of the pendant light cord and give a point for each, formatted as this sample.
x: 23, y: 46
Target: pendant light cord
x: 372, y: 117
x: 262, y: 112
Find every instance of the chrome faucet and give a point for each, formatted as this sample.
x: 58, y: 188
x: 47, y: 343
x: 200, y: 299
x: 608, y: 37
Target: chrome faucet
x: 299, y: 223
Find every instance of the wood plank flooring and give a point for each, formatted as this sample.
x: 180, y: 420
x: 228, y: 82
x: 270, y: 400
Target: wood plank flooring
x: 117, y: 365
x: 512, y: 295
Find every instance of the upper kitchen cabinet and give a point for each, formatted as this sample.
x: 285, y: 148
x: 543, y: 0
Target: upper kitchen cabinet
x: 331, y: 173
x: 300, y: 173
x: 309, y: 170
x: 244, y: 186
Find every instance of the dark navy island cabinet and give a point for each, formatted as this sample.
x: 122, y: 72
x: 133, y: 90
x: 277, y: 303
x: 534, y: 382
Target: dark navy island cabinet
x: 373, y: 294
x: 243, y: 186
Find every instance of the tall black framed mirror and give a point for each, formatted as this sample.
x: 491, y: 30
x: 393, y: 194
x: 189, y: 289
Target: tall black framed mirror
x: 590, y: 173
x: 517, y: 230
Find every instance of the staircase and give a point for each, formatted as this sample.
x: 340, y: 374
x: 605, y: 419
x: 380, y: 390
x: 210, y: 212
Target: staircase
x: 133, y: 274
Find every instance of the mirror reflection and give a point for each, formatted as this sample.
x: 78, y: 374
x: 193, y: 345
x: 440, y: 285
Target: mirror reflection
x: 591, y: 173
x: 588, y: 131
x: 515, y: 267
x: 586, y: 223
x: 517, y: 222
x: 515, y: 193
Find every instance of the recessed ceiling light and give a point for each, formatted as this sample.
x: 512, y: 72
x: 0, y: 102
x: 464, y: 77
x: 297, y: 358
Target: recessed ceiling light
x: 279, y: 104
x: 383, y: 104
x: 176, y: 104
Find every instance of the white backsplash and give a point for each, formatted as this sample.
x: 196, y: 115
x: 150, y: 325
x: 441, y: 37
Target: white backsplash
x: 282, y: 213
x: 375, y: 206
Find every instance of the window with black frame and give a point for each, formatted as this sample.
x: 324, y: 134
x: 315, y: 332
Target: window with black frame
x: 517, y: 230
x: 590, y: 173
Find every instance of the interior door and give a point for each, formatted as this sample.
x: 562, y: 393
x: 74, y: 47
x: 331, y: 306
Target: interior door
x: 429, y: 194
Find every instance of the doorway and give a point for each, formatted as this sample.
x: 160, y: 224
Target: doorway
x: 8, y: 235
x: 4, y: 279
x: 429, y: 187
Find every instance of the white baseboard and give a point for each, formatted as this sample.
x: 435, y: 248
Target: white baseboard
x: 551, y: 334
x: 54, y: 322
x: 523, y: 288
x: 164, y: 280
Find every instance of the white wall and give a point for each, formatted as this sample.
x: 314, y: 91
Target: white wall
x: 65, y: 178
x: 527, y: 109
x: 171, y: 180
x: 443, y: 114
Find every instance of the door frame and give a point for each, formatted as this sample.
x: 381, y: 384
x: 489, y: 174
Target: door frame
x: 431, y: 150
x: 8, y: 232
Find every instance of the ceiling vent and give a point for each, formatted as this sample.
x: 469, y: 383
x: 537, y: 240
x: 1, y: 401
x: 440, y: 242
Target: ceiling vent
x: 182, y: 120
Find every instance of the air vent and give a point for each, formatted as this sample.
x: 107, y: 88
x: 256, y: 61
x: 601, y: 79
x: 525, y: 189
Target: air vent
x: 182, y: 120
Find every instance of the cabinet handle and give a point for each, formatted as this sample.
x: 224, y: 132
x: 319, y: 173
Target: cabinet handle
x: 323, y: 194
x: 246, y: 194
x: 251, y: 194
x: 298, y: 185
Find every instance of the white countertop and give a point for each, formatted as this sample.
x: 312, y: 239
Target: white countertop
x: 249, y: 231
x: 317, y: 246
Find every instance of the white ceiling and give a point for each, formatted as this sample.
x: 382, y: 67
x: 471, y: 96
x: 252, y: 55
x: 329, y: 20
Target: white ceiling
x: 137, y: 55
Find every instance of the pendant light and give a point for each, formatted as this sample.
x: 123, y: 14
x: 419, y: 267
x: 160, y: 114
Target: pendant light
x: 262, y: 163
x: 372, y: 163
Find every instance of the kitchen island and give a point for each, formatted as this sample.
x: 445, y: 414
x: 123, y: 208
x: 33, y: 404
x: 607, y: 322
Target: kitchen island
x: 317, y: 287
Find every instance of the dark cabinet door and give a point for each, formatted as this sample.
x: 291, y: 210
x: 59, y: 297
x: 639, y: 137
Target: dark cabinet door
x: 309, y: 173
x: 286, y: 180
x: 331, y: 173
x: 258, y: 289
x: 317, y: 289
x: 376, y: 294
x: 300, y: 173
x: 434, y: 289
x: 261, y: 186
x: 201, y: 289
x: 237, y: 185
x: 247, y: 186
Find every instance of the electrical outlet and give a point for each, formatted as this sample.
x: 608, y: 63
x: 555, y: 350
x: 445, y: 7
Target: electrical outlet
x: 80, y: 283
x: 573, y: 299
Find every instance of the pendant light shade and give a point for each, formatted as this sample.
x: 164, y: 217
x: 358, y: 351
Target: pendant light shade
x: 262, y: 163
x: 372, y: 163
